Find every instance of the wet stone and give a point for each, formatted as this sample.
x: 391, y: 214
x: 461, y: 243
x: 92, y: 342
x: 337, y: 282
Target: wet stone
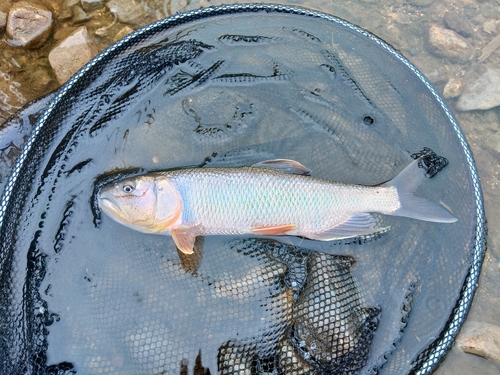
x: 458, y: 23
x: 91, y: 5
x: 482, y: 92
x: 71, y: 54
x: 420, y: 3
x: 122, y: 33
x: 481, y: 339
x: 447, y: 43
x: 28, y: 25
x: 453, y: 88
x: 3, y: 19
x: 129, y: 11
x: 79, y: 15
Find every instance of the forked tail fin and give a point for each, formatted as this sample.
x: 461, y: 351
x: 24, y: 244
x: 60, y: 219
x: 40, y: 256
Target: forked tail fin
x: 417, y: 208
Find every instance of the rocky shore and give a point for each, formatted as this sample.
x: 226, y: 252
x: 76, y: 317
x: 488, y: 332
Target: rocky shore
x: 456, y: 44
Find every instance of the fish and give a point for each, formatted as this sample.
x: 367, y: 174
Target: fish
x: 271, y: 198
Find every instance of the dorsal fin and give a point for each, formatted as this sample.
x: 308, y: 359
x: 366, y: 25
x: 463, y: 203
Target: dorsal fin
x: 285, y: 166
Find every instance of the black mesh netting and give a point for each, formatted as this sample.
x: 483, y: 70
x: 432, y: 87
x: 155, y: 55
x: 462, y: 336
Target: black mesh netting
x: 232, y: 86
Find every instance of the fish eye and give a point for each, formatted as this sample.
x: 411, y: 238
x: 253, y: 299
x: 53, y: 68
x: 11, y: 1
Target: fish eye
x: 128, y: 187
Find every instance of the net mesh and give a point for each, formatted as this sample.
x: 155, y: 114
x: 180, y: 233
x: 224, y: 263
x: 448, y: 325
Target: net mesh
x: 232, y: 86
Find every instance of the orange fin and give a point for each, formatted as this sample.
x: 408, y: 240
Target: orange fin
x: 275, y: 230
x: 184, y: 238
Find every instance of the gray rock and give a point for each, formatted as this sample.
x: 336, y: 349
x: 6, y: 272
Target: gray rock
x: 447, y: 43
x: 490, y: 10
x: 3, y: 19
x: 482, y: 92
x: 481, y: 339
x: 71, y: 54
x: 91, y: 5
x: 130, y: 12
x: 28, y: 25
x: 458, y: 23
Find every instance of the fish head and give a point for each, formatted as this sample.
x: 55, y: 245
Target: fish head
x: 144, y: 203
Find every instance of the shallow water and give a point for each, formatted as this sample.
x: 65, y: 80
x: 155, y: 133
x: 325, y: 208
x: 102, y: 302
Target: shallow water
x: 402, y: 25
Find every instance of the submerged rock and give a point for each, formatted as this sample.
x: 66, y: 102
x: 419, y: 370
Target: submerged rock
x: 91, y: 5
x: 481, y: 339
x: 447, y: 43
x: 3, y: 19
x: 71, y: 54
x: 453, y: 88
x: 28, y: 25
x: 481, y: 93
x: 458, y: 23
x: 129, y: 11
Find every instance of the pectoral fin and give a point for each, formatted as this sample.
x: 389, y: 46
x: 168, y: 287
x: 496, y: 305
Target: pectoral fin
x: 184, y: 238
x: 357, y: 225
x: 273, y: 230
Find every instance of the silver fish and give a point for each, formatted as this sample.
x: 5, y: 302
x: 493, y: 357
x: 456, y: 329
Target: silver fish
x: 274, y: 197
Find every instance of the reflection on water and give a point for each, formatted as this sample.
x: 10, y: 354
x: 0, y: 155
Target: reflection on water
x: 27, y: 73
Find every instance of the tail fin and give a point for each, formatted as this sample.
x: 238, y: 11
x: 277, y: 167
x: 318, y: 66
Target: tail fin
x: 417, y: 208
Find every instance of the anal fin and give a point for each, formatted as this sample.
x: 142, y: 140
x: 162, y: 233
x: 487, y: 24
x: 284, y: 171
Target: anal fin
x: 275, y: 230
x: 357, y: 225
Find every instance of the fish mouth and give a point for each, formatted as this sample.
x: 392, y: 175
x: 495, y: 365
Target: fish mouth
x: 110, y: 206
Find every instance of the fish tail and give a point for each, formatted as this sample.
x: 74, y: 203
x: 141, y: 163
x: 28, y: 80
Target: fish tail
x: 417, y: 208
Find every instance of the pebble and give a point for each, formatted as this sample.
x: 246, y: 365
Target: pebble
x: 129, y: 11
x: 453, y: 88
x: 91, y: 5
x: 123, y: 32
x: 3, y: 19
x: 482, y: 92
x: 79, y: 15
x: 28, y: 25
x: 447, y: 43
x: 71, y: 54
x: 481, y: 339
x: 490, y: 26
x: 458, y: 23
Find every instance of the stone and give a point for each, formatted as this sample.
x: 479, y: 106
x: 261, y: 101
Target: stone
x: 482, y: 92
x: 481, y: 339
x: 458, y: 23
x: 79, y: 15
x: 3, y: 19
x: 71, y: 54
x: 453, y: 88
x: 129, y: 11
x: 421, y: 3
x: 28, y: 25
x: 447, y: 43
x: 123, y: 32
x: 490, y: 27
x: 91, y: 5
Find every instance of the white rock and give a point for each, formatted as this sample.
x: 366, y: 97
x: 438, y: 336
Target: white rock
x: 481, y: 339
x: 482, y: 93
x: 71, y: 54
x: 28, y: 25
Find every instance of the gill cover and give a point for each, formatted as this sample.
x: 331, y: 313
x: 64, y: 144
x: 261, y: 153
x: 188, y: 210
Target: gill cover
x: 168, y: 204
